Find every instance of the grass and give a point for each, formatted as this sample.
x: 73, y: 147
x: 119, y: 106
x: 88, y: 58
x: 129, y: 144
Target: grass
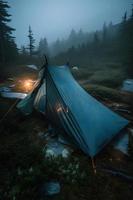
x: 106, y: 94
x: 108, y: 77
x: 15, y: 70
x: 24, y: 168
x: 103, y: 92
x: 82, y: 73
x: 105, y: 74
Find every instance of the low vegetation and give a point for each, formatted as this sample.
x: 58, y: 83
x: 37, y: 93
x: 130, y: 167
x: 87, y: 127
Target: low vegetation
x: 109, y: 77
x: 106, y: 74
x: 25, y: 169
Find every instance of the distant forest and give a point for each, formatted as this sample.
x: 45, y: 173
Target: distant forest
x: 114, y: 43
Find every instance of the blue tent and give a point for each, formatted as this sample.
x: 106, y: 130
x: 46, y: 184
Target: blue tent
x: 70, y: 108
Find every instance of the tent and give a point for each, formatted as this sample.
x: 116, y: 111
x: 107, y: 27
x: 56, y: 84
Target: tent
x: 71, y: 109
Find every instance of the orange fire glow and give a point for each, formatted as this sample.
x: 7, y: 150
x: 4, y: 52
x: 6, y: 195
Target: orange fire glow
x: 28, y: 85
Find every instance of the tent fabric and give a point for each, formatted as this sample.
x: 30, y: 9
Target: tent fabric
x: 26, y: 105
x: 89, y: 122
x: 36, y: 99
x: 40, y: 99
x: 69, y: 107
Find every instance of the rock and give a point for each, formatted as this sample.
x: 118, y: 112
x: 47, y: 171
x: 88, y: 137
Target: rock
x: 54, y: 149
x: 50, y: 188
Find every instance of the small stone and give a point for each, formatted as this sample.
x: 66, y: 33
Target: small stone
x: 50, y: 188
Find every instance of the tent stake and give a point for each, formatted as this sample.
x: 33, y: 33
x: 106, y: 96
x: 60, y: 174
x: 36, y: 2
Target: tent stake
x: 93, y: 166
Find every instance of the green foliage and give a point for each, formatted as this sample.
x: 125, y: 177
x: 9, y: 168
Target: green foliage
x: 108, y: 77
x: 25, y: 168
x: 103, y: 92
x: 8, y: 48
x: 31, y: 42
x: 113, y: 44
x: 43, y: 48
x: 126, y: 42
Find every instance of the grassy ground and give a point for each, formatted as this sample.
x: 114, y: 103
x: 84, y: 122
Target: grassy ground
x: 105, y: 74
x: 24, y: 168
x: 15, y: 70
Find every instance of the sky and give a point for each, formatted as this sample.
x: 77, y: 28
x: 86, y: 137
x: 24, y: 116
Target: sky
x: 56, y: 18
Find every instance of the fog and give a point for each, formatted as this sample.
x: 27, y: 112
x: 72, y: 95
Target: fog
x: 56, y: 18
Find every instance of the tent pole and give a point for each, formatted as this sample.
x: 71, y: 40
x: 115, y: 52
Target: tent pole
x: 93, y: 165
x: 45, y: 67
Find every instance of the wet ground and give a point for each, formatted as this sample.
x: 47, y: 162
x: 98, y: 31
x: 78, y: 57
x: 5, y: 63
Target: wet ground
x: 24, y: 168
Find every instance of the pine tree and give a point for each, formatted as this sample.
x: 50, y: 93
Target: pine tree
x: 31, y: 41
x: 126, y: 42
x: 130, y: 43
x: 23, y: 51
x: 57, y: 47
x: 43, y: 47
x: 96, y: 38
x: 80, y: 37
x: 104, y: 32
x: 72, y: 40
x: 7, y: 43
x: 125, y: 17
